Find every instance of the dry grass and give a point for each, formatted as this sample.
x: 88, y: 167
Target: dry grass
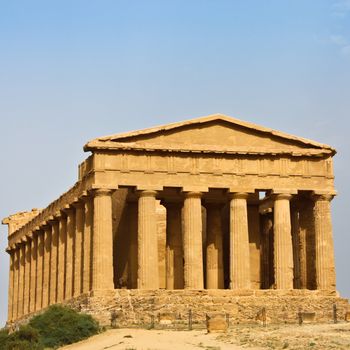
x: 239, y: 337
x: 315, y: 337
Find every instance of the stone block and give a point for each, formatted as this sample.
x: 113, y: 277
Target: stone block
x: 166, y: 318
x: 216, y: 324
x: 308, y: 317
x: 347, y: 316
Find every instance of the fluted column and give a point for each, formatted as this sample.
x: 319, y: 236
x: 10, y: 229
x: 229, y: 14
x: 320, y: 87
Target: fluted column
x: 192, y: 241
x: 53, y: 261
x: 307, y: 244
x: 87, y: 239
x: 61, y: 260
x: 283, y: 250
x: 133, y: 251
x: 102, y: 241
x: 46, y: 266
x: 33, y: 273
x: 21, y: 280
x: 148, y: 270
x: 296, y: 245
x: 11, y: 287
x: 174, y: 250
x: 215, y: 268
x: 267, y: 252
x: 39, y: 275
x: 68, y: 293
x: 78, y: 251
x: 27, y: 271
x: 325, y: 271
x: 239, y: 242
x: 16, y: 281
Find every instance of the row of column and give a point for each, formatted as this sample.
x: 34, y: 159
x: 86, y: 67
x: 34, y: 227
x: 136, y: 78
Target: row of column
x: 190, y: 274
x: 53, y: 263
x: 73, y: 253
x: 298, y: 249
x: 184, y: 250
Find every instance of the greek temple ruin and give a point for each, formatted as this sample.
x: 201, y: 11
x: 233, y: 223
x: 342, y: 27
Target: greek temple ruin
x: 211, y: 211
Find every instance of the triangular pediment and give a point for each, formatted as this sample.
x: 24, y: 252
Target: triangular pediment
x: 215, y: 133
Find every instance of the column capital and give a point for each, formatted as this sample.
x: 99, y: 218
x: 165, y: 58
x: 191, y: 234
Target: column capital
x: 193, y: 194
x: 101, y: 192
x: 68, y: 209
x: 148, y: 193
x: 87, y: 197
x: 9, y: 250
x: 276, y: 191
x: 79, y: 204
x: 239, y: 195
x: 279, y: 196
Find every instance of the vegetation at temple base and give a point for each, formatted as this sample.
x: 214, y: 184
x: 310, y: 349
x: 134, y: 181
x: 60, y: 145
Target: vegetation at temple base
x: 26, y: 338
x: 56, y: 327
x: 61, y: 325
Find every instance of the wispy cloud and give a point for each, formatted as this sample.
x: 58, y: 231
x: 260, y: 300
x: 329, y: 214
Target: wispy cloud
x: 338, y: 40
x: 345, y: 50
x: 341, y: 8
x: 342, y: 42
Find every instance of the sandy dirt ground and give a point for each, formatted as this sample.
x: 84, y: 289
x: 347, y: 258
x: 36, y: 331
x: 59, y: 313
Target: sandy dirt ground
x: 315, y: 337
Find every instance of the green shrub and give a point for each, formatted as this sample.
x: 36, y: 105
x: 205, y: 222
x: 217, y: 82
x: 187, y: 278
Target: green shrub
x: 61, y: 325
x: 26, y: 338
x: 3, y: 338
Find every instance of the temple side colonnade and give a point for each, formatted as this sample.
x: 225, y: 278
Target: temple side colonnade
x: 263, y: 223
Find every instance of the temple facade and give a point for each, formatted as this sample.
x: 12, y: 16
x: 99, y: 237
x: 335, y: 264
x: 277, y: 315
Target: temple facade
x: 209, y: 204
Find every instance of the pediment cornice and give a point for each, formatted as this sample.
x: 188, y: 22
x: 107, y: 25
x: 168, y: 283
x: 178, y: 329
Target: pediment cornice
x: 142, y: 140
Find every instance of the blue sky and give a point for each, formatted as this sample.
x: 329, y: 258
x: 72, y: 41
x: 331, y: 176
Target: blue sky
x: 74, y: 70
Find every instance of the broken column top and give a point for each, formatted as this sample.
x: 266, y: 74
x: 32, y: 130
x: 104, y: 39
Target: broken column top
x: 17, y: 220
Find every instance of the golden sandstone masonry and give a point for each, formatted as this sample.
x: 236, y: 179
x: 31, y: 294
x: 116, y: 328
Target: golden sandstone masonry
x: 213, y: 214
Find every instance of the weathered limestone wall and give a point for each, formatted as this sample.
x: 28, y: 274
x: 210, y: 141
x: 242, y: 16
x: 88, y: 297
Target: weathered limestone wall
x: 136, y: 307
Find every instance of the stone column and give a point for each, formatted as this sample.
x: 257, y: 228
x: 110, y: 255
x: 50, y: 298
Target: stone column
x: 283, y: 249
x: 102, y: 241
x: 325, y: 271
x: 133, y: 252
x: 68, y: 293
x: 192, y: 241
x: 46, y: 266
x: 33, y: 273
x: 174, y: 251
x: 21, y: 280
x: 78, y: 251
x: 239, y: 242
x: 296, y: 245
x: 148, y: 273
x: 87, y: 238
x: 215, y: 268
x: 15, y: 284
x: 307, y: 253
x: 11, y: 286
x: 267, y: 252
x: 27, y: 271
x: 53, y: 263
x: 61, y: 259
x: 39, y: 271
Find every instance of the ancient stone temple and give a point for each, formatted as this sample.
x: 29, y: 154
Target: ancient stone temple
x: 211, y: 214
